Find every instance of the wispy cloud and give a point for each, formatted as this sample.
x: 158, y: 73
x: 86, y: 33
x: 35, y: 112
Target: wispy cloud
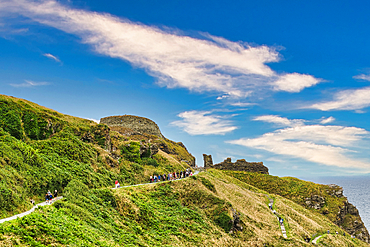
x: 28, y: 83
x: 52, y: 57
x: 327, y: 120
x: 353, y: 99
x: 203, y: 123
x: 362, y: 77
x: 280, y: 120
x: 201, y: 65
x: 242, y: 104
x: 327, y: 145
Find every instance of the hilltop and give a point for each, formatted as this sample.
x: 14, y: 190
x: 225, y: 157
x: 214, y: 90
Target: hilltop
x: 41, y: 149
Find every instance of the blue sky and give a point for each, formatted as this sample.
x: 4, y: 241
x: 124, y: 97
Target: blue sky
x: 286, y: 83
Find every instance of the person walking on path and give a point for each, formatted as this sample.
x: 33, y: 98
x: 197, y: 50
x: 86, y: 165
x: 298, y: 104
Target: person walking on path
x: 151, y: 179
x: 56, y: 193
x: 117, y: 184
x: 47, y: 198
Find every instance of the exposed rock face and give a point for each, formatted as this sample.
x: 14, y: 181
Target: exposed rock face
x: 349, y: 219
x: 208, y: 162
x: 236, y: 223
x: 335, y: 190
x: 315, y: 201
x: 146, y: 148
x: 164, y: 147
x: 239, y: 165
x: 138, y: 124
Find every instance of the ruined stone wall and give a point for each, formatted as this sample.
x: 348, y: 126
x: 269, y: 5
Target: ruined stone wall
x: 139, y: 124
x: 239, y: 165
x: 207, y: 161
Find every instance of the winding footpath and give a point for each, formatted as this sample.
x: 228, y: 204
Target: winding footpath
x: 282, y: 227
x: 60, y: 197
x: 31, y: 210
x: 165, y: 181
x: 316, y: 239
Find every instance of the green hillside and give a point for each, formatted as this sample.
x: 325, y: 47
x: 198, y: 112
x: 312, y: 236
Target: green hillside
x: 334, y: 205
x: 42, y: 150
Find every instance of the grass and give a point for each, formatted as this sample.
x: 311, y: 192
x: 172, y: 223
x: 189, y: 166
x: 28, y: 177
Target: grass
x: 42, y: 150
x: 298, y: 190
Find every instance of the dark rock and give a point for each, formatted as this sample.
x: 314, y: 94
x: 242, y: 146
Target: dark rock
x: 335, y: 190
x: 165, y: 148
x: 354, y: 227
x: 315, y: 201
x: 236, y: 223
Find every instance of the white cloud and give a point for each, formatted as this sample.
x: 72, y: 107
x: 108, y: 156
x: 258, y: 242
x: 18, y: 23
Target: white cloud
x: 241, y: 104
x: 52, y: 57
x: 327, y: 120
x: 327, y: 145
x: 280, y: 120
x: 362, y: 77
x: 203, y: 123
x: 176, y: 60
x: 223, y: 97
x: 295, y: 82
x: 353, y: 99
x: 95, y: 120
x: 28, y: 83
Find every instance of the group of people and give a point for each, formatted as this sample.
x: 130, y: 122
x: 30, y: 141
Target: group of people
x: 171, y: 176
x: 49, y: 196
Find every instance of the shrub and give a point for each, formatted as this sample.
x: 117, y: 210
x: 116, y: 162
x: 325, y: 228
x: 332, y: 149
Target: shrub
x: 224, y: 221
x: 131, y: 152
x: 208, y: 184
x: 150, y: 162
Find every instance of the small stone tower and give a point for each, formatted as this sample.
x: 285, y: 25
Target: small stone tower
x: 208, y: 162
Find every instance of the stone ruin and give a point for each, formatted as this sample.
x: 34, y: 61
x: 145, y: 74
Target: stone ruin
x: 239, y: 165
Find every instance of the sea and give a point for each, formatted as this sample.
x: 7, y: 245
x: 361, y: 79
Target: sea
x: 357, y: 191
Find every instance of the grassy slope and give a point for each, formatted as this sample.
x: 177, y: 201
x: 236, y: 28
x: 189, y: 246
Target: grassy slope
x: 297, y: 190
x: 180, y: 213
x: 41, y: 150
x: 294, y: 189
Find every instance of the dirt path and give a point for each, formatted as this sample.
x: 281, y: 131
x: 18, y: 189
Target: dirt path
x: 166, y: 181
x: 282, y: 227
x: 30, y: 211
x: 316, y: 239
x: 60, y: 197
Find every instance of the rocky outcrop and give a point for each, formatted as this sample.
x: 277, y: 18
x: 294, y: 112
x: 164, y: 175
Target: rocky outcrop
x: 315, y: 201
x: 239, y: 165
x: 208, y: 162
x: 164, y: 147
x: 236, y: 222
x: 335, y: 190
x: 150, y: 149
x: 349, y: 219
x: 137, y: 124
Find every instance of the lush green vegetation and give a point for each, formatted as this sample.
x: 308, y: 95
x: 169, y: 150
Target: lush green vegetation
x: 42, y: 150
